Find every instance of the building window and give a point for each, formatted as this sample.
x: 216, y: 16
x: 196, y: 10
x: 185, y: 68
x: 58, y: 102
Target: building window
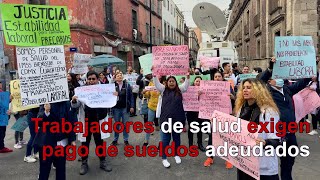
x: 165, y: 30
x: 38, y: 2
x: 258, y: 7
x: 168, y: 31
x: 168, y: 5
x: 248, y: 17
x: 258, y: 50
x: 164, y: 3
x: 148, y: 32
x: 153, y: 34
x: 134, y: 20
x: 159, y: 7
x: 159, y: 36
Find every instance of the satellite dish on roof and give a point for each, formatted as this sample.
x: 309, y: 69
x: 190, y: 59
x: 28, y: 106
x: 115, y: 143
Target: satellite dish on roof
x: 209, y: 18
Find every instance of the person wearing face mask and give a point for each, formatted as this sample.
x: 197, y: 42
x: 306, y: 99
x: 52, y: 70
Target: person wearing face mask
x: 282, y: 95
x: 171, y: 107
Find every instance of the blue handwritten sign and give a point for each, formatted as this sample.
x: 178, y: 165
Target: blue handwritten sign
x: 296, y: 58
x: 21, y: 124
x: 4, y: 107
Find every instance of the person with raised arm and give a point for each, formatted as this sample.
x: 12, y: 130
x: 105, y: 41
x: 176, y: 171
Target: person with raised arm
x: 282, y: 95
x: 172, y: 108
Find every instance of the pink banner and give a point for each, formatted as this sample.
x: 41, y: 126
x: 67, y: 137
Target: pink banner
x: 191, y: 99
x: 248, y: 164
x: 170, y: 60
x: 305, y: 102
x: 215, y: 96
x: 209, y: 62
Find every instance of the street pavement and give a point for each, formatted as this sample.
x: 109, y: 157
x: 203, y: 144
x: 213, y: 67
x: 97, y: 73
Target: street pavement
x: 13, y: 167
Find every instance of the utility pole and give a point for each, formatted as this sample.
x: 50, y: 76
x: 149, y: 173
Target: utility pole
x: 150, y: 27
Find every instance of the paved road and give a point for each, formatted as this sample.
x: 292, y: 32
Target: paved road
x: 13, y: 167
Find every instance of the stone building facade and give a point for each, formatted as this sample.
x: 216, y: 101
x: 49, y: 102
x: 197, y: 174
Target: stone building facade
x: 254, y: 25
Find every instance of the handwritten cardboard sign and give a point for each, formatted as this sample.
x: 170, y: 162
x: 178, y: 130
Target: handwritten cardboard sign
x: 132, y: 80
x: 215, y: 96
x: 249, y: 165
x: 16, y: 97
x: 35, y: 25
x: 209, y: 62
x: 191, y: 99
x: 42, y: 73
x: 4, y: 107
x: 247, y: 76
x: 80, y: 62
x: 170, y: 60
x: 296, y: 58
x: 97, y: 96
x: 305, y: 102
x: 21, y: 124
x: 146, y: 63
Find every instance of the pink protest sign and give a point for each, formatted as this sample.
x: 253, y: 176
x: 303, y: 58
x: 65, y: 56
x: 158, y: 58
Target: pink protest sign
x: 305, y: 102
x: 170, y: 60
x: 191, y: 99
x: 243, y: 138
x: 215, y: 96
x: 209, y: 62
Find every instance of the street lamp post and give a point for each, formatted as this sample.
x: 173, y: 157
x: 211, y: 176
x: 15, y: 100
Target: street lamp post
x: 150, y: 27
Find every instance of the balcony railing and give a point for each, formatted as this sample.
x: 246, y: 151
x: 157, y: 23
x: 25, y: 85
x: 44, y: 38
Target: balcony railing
x: 256, y: 21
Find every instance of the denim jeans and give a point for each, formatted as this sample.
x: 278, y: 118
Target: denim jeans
x: 32, y: 135
x: 124, y: 115
x: 166, y: 138
x: 151, y: 117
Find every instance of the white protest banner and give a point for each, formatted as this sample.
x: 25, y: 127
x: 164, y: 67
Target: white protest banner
x: 97, y: 96
x: 150, y: 88
x: 215, y: 96
x: 42, y: 74
x: 191, y: 99
x: 243, y: 139
x: 80, y: 62
x: 105, y: 135
x: 170, y: 60
x: 132, y: 79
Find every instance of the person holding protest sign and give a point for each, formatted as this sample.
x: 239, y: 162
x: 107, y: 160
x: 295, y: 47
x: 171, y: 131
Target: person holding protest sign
x: 93, y: 115
x: 3, y: 129
x: 153, y: 97
x: 193, y: 117
x: 255, y: 104
x: 131, y: 77
x: 125, y: 104
x: 171, y: 109
x: 219, y: 76
x: 282, y: 95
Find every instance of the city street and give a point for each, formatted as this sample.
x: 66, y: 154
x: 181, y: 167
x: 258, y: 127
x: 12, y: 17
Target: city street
x: 13, y: 167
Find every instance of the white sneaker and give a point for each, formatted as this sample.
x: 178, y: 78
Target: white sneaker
x: 313, y: 132
x: 36, y: 156
x: 17, y: 146
x: 206, y: 139
x: 166, y: 163
x: 23, y: 142
x: 178, y: 159
x: 29, y: 159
